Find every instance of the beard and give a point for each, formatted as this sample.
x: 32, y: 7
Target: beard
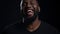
x: 30, y: 20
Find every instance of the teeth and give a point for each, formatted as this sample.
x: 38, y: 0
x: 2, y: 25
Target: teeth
x: 29, y: 11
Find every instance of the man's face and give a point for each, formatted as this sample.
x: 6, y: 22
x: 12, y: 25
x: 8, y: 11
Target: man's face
x: 30, y: 11
x: 30, y: 7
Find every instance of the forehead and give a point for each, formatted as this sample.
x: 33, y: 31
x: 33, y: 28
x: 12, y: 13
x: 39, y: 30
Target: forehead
x: 30, y: 1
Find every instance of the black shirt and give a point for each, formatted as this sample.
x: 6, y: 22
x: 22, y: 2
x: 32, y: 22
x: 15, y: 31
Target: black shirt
x: 20, y: 29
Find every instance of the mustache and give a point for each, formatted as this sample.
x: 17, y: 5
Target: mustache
x: 30, y: 8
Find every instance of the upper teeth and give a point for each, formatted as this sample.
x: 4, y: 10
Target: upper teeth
x: 30, y: 11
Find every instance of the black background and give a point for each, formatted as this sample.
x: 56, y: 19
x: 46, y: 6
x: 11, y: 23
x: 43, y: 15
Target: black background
x: 11, y: 12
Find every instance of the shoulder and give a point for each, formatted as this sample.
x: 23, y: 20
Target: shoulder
x: 48, y: 28
x: 10, y: 27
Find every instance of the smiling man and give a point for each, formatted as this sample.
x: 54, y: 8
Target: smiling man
x: 30, y: 10
x: 30, y: 21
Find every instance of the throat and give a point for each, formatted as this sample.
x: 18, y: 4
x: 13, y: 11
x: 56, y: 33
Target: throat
x: 34, y: 26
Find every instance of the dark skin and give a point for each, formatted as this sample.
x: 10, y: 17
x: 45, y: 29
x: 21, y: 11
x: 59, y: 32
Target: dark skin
x: 29, y: 7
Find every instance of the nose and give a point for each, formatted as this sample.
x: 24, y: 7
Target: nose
x: 29, y: 5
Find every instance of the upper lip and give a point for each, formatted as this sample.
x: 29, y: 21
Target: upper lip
x: 30, y: 9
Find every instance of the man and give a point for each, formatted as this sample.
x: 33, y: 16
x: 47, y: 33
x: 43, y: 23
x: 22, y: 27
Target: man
x: 30, y: 22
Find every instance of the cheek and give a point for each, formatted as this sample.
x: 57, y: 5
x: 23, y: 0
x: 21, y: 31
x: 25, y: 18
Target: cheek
x: 35, y: 8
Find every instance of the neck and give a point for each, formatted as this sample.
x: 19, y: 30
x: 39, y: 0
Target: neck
x: 34, y: 25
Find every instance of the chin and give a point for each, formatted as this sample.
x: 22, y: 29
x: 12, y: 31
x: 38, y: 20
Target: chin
x: 29, y: 16
x: 29, y: 20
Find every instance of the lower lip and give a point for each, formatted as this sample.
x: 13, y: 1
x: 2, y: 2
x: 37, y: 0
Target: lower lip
x: 30, y: 13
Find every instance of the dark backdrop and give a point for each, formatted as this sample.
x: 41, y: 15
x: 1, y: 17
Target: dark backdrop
x: 11, y: 12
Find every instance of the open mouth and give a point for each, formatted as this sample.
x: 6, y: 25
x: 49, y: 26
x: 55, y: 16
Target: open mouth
x: 29, y: 12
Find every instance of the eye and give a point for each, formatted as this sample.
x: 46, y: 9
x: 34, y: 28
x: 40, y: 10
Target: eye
x: 33, y: 3
x: 24, y: 4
